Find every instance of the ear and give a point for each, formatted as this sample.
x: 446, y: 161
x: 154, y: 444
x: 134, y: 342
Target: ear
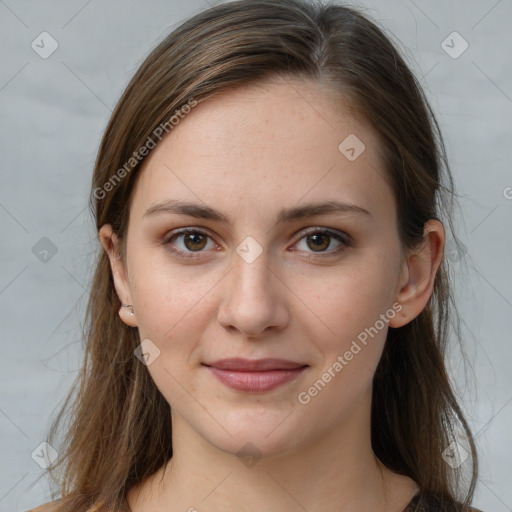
x: 418, y: 274
x: 111, y: 244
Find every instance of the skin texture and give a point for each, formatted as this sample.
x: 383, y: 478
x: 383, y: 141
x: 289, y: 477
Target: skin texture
x: 250, y: 153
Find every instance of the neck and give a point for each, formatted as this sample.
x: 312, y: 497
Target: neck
x: 337, y: 472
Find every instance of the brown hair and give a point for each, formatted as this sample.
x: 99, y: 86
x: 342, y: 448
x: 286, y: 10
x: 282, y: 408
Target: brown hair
x: 119, y: 423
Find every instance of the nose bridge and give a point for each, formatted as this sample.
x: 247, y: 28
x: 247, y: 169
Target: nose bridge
x: 251, y: 267
x: 252, y: 273
x: 254, y: 300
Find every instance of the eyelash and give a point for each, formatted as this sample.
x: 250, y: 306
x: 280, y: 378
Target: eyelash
x: 344, y: 240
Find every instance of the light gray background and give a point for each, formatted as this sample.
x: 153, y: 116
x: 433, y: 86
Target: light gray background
x: 54, y: 111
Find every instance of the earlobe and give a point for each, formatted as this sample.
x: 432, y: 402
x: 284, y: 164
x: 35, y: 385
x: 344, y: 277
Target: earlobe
x: 110, y: 243
x: 127, y: 315
x: 418, y: 274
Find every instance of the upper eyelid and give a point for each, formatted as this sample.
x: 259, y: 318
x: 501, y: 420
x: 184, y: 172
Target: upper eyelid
x: 315, y: 229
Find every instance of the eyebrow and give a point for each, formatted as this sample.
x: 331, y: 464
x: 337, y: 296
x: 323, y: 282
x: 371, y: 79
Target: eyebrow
x: 202, y: 211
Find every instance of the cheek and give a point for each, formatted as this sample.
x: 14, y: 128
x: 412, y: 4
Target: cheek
x: 349, y: 352
x: 163, y: 293
x: 353, y: 300
x: 173, y: 309
x: 355, y: 308
x: 170, y: 313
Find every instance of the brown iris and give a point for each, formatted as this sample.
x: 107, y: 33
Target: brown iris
x: 321, y: 241
x: 198, y: 241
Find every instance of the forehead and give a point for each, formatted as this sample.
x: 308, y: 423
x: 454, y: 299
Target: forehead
x: 270, y: 144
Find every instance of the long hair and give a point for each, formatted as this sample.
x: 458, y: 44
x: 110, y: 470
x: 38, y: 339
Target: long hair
x: 118, y: 428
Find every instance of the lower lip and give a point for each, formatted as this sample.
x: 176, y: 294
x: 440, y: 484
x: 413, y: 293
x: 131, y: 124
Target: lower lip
x: 255, y: 381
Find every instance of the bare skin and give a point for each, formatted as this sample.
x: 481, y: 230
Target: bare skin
x: 249, y: 154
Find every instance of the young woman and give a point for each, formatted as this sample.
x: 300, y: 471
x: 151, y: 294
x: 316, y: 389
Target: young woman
x: 268, y: 317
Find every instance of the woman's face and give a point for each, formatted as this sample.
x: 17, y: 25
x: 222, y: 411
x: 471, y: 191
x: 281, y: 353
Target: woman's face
x: 257, y: 278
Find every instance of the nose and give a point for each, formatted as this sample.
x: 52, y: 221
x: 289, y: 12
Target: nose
x: 255, y: 298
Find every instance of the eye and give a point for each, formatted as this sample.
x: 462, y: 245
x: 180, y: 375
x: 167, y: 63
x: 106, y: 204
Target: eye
x: 320, y: 239
x: 193, y: 240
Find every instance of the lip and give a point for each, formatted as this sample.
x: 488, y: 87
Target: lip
x: 255, y: 365
x: 257, y: 375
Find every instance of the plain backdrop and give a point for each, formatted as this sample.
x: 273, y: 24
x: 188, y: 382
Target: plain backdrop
x: 54, y: 110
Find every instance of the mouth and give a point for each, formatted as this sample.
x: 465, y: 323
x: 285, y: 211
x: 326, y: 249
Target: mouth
x: 258, y: 375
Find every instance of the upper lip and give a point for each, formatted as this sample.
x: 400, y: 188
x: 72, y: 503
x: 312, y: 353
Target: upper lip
x: 255, y: 365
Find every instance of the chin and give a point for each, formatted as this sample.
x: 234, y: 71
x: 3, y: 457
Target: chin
x: 262, y: 435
